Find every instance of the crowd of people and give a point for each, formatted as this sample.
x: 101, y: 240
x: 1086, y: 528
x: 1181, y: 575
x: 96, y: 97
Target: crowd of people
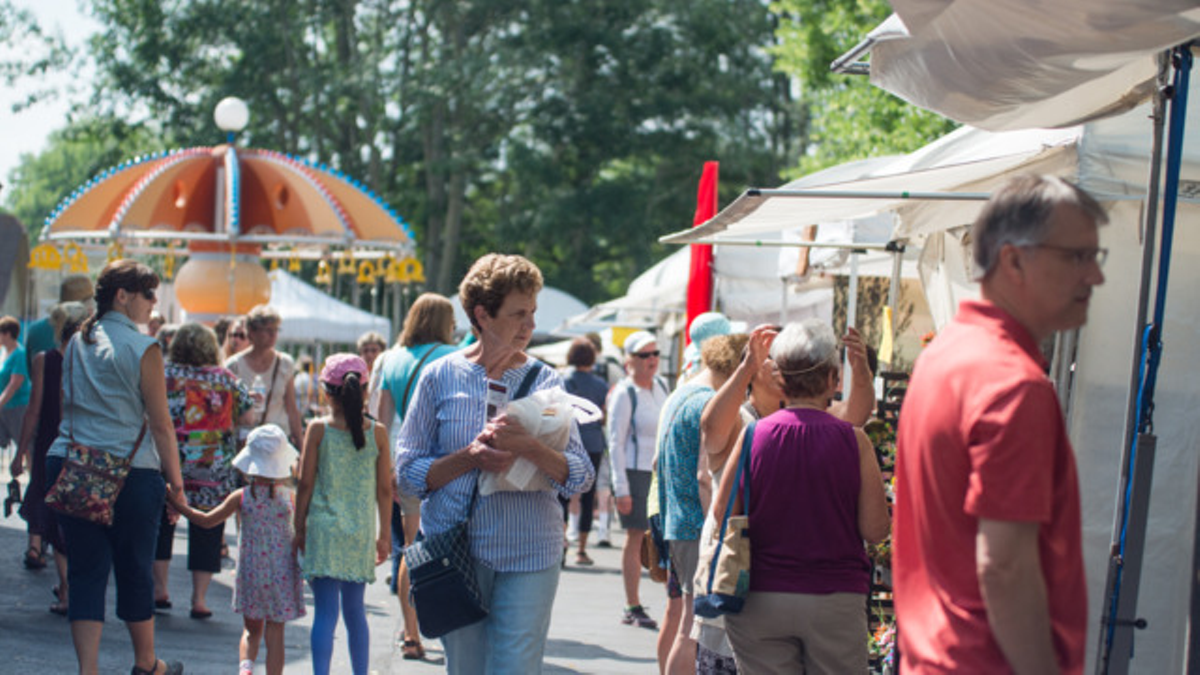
x: 354, y: 460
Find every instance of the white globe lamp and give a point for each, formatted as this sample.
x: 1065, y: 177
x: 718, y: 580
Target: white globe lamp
x: 231, y: 114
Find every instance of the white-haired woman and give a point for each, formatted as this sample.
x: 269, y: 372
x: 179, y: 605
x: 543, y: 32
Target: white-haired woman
x: 815, y: 494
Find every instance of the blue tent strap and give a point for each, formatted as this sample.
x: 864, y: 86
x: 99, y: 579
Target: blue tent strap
x: 1151, y: 341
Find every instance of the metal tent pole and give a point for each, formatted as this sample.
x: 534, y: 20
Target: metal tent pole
x: 1125, y: 563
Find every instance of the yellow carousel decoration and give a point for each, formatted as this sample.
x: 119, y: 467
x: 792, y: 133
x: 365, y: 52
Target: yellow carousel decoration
x: 232, y: 207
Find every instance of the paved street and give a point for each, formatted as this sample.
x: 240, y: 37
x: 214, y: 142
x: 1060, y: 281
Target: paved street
x: 586, y: 635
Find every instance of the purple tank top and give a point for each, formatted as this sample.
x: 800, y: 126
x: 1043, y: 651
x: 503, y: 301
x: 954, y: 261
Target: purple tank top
x: 804, y: 490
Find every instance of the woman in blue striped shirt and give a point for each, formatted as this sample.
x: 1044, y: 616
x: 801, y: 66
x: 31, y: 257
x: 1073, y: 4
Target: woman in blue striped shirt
x: 454, y: 430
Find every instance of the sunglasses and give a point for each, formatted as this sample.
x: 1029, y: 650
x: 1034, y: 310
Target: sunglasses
x: 147, y: 293
x: 238, y: 334
x: 647, y: 355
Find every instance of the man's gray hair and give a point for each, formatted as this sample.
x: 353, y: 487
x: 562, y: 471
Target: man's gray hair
x: 1018, y: 214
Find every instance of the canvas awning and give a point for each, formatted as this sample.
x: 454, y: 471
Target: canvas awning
x: 1027, y: 63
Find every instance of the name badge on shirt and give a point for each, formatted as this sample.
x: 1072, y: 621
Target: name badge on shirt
x: 497, y: 398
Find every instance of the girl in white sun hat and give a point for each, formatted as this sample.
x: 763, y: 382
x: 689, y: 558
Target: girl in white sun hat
x: 268, y: 590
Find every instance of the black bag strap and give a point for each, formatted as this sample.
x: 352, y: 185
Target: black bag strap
x: 527, y: 382
x: 743, y: 471
x: 412, y: 378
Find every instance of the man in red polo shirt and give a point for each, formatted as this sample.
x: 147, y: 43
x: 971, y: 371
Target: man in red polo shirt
x: 988, y: 558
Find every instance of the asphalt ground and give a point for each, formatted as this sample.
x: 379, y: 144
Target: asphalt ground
x: 586, y: 635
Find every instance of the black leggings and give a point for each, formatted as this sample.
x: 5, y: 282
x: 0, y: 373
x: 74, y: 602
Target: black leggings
x: 587, y: 500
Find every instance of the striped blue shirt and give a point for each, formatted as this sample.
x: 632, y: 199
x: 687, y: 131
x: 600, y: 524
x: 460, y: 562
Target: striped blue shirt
x: 509, y: 531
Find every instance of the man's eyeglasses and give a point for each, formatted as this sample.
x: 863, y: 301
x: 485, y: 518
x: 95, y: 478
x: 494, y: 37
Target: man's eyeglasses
x: 1079, y: 255
x: 647, y: 355
x: 149, y: 294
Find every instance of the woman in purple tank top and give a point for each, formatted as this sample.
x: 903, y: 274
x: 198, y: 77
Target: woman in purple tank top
x: 815, y: 494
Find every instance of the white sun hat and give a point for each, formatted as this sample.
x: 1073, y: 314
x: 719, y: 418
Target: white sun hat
x: 267, y: 454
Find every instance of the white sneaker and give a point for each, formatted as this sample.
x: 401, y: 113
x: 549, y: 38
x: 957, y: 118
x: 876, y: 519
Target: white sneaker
x: 246, y: 667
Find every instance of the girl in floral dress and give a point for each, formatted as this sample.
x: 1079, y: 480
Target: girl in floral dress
x: 344, y: 487
x: 268, y: 590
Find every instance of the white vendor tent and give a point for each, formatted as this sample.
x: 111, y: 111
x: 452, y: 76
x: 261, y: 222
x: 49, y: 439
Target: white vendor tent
x: 311, y: 316
x: 1026, y: 63
x: 1110, y: 158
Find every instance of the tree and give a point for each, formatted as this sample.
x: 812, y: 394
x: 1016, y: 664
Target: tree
x: 27, y: 52
x: 849, y: 118
x: 571, y: 132
x: 73, y: 155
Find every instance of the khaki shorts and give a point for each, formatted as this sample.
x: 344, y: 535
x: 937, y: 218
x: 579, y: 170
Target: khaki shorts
x: 685, y: 555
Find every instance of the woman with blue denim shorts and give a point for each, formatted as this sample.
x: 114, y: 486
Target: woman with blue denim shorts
x: 114, y: 400
x: 455, y: 429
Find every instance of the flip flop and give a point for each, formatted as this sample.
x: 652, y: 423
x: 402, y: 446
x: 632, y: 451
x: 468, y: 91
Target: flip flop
x: 201, y: 614
x: 412, y: 650
x: 58, y: 609
x: 33, y: 559
x: 165, y: 603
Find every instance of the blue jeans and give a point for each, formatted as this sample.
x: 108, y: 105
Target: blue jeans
x: 126, y: 548
x: 513, y: 637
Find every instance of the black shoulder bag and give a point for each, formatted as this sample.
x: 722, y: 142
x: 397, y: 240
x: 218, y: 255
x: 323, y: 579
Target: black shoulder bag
x: 443, y: 588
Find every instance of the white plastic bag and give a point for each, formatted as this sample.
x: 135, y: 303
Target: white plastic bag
x: 547, y: 415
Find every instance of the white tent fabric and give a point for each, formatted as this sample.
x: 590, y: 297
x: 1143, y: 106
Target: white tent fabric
x: 1074, y: 60
x: 749, y: 287
x: 554, y: 307
x: 1110, y: 159
x: 951, y: 163
x: 310, y: 315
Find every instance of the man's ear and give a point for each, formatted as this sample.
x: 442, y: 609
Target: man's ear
x: 1009, y: 260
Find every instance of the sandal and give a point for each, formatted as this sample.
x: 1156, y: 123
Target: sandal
x: 169, y: 668
x: 412, y: 650
x: 582, y: 558
x: 58, y: 608
x: 33, y: 559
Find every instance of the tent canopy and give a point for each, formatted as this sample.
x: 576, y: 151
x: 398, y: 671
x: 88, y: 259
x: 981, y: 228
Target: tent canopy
x: 956, y: 162
x: 310, y: 315
x: 1027, y: 63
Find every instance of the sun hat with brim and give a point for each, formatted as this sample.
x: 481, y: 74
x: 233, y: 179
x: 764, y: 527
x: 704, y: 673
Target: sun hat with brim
x: 338, y: 366
x: 709, y: 325
x: 639, y: 341
x: 267, y: 454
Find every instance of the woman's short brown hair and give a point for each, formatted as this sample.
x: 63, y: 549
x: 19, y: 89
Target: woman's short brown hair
x: 430, y: 319
x: 581, y: 353
x: 492, y: 278
x: 722, y: 354
x: 194, y: 344
x: 261, y: 316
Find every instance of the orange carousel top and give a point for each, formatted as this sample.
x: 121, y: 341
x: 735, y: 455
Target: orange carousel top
x: 230, y: 195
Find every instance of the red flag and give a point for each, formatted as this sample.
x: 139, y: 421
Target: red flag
x: 700, y: 280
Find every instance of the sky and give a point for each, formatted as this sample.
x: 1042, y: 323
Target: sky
x: 27, y: 131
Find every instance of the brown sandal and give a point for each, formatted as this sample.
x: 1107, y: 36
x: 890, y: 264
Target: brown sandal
x: 412, y: 650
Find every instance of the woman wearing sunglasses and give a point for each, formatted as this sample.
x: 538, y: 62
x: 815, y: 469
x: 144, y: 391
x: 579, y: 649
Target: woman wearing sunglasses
x: 115, y: 400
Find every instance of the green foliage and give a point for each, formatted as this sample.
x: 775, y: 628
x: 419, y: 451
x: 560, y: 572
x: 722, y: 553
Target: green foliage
x: 571, y: 132
x: 73, y: 155
x: 28, y: 53
x: 849, y: 119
